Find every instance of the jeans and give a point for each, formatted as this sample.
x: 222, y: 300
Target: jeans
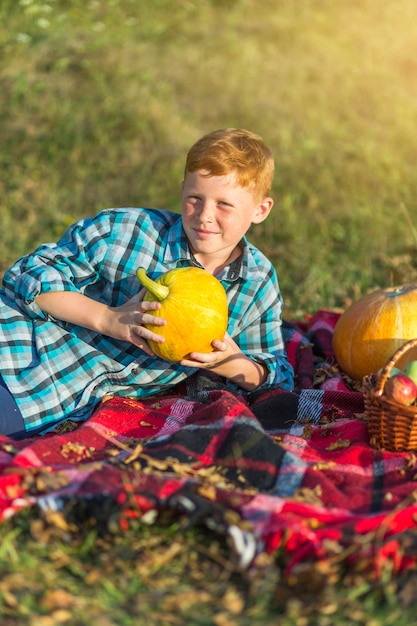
x: 11, y: 420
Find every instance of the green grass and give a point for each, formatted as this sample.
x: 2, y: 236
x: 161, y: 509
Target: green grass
x: 99, y: 102
x: 167, y: 575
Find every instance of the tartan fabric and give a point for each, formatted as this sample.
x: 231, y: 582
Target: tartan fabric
x: 57, y: 370
x: 289, y: 473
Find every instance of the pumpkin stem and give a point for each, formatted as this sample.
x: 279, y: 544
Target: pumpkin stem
x: 156, y: 289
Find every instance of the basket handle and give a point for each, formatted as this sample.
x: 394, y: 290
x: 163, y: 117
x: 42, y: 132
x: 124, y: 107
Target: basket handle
x: 391, y: 363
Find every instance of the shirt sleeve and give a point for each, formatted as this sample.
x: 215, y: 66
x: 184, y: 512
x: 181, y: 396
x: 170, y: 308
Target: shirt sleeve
x: 255, y: 323
x: 71, y: 264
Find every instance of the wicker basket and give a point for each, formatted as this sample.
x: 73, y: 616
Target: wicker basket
x: 391, y: 426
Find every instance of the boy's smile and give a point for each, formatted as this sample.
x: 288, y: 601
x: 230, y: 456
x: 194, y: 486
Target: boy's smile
x: 216, y: 214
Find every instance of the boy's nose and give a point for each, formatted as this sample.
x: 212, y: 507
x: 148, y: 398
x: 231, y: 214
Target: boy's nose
x: 206, y: 213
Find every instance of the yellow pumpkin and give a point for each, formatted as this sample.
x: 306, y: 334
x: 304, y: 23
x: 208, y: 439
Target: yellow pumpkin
x: 194, y: 304
x: 369, y: 332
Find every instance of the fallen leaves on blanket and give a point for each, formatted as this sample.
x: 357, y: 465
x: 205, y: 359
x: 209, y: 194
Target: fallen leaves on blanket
x: 209, y: 475
x: 44, y: 480
x: 66, y: 427
x: 309, y: 496
x: 323, y: 373
x: 9, y: 448
x: 208, y: 491
x: 411, y: 461
x: 156, y: 464
x: 13, y: 490
x: 148, y: 425
x: 307, y: 431
x: 327, y: 371
x: 353, y: 385
x: 76, y: 452
x: 338, y: 445
x: 324, y: 465
x: 362, y: 417
x: 134, y: 454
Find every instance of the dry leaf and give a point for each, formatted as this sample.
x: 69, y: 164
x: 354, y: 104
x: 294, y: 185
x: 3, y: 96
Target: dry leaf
x: 135, y: 454
x: 154, y: 463
x: 147, y: 424
x: 13, y: 491
x: 9, y: 448
x: 9, y: 599
x: 156, y: 559
x: 233, y: 601
x: 45, y: 480
x: 339, y: 444
x: 208, y: 491
x: 57, y: 599
x: 309, y: 496
x: 322, y: 465
x: 362, y: 417
x: 223, y: 619
x: 307, y: 431
x: 185, y: 600
x: 79, y: 450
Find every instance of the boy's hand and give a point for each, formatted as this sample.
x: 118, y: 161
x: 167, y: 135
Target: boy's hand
x: 209, y: 360
x: 229, y: 361
x: 127, y: 322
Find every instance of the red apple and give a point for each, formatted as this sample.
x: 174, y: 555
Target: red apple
x: 401, y: 389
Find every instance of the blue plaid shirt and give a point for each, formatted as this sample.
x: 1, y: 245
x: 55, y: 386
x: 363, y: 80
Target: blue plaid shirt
x: 56, y: 370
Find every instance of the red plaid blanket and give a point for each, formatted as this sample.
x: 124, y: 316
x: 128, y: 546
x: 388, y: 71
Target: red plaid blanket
x: 291, y: 474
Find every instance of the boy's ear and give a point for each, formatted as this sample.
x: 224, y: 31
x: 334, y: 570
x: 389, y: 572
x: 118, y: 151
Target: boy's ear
x: 263, y: 210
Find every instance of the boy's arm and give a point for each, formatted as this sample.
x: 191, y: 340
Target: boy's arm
x: 230, y: 362
x: 73, y: 307
x: 124, y: 322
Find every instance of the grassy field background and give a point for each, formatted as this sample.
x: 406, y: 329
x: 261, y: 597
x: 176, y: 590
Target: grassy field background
x: 99, y: 103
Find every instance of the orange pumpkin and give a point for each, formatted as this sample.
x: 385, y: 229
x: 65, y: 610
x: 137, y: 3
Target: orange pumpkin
x: 194, y: 304
x: 369, y: 332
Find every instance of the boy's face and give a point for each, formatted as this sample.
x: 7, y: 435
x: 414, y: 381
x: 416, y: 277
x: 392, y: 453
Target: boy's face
x: 216, y: 214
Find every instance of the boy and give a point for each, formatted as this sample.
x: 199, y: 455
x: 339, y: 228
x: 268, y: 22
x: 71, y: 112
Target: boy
x: 71, y: 314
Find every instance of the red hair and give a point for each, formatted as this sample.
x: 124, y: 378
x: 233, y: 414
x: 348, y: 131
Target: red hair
x: 234, y: 151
